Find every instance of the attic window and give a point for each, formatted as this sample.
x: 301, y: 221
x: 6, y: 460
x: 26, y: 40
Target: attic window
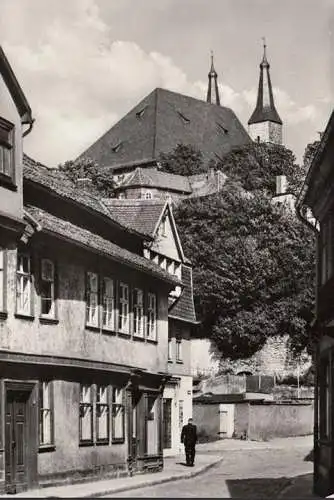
x: 116, y: 148
x: 183, y: 118
x: 6, y: 149
x: 222, y: 129
x: 219, y: 157
x: 141, y: 112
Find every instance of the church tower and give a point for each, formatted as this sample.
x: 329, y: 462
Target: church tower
x: 213, y: 91
x: 265, y: 124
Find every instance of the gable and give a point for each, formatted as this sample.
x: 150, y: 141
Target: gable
x: 166, y: 240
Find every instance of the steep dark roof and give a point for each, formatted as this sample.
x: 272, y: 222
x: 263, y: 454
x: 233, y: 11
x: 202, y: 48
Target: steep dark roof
x: 152, y: 177
x: 65, y: 229
x: 15, y: 90
x: 183, y: 308
x: 265, y: 110
x: 141, y: 215
x: 164, y: 119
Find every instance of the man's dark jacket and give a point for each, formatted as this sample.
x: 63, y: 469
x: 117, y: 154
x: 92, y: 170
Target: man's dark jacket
x: 189, y: 435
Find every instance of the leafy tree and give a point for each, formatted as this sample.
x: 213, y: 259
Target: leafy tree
x: 256, y: 166
x: 102, y: 182
x: 253, y: 260
x: 183, y: 160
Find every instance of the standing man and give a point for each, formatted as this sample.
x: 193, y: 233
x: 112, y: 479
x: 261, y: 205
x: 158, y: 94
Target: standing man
x: 189, y: 439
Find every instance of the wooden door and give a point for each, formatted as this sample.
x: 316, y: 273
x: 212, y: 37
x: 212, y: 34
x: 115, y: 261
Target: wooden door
x: 167, y: 423
x: 16, y: 441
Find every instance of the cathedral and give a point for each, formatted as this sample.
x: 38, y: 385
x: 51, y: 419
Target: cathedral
x: 163, y: 119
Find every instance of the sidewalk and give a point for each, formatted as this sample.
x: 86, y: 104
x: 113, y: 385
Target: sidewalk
x: 174, y: 469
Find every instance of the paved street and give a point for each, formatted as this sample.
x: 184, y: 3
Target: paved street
x: 246, y: 473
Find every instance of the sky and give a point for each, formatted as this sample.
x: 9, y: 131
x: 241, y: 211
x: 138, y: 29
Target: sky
x: 83, y: 64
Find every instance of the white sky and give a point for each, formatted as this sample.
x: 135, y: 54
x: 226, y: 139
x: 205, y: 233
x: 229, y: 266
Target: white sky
x: 84, y: 63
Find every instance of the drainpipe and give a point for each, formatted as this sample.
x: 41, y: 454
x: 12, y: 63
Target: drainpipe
x: 29, y: 129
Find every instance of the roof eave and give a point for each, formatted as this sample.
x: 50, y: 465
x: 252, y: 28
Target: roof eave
x: 15, y: 90
x: 85, y: 207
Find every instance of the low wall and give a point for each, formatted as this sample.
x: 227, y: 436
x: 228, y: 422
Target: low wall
x: 206, y: 418
x: 267, y: 421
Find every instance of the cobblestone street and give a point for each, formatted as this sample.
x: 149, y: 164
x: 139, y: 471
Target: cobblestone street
x: 246, y: 473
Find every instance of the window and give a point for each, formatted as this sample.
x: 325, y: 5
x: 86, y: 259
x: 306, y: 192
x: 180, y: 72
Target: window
x: 148, y: 195
x: 121, y: 196
x: 47, y: 288
x: 152, y: 316
x: 86, y: 415
x: 46, y: 414
x: 2, y: 281
x: 178, y: 349
x: 6, y: 147
x: 102, y: 415
x: 23, y: 284
x: 123, y: 320
x: 92, y: 312
x: 108, y: 303
x: 117, y: 415
x: 138, y: 316
x: 170, y: 350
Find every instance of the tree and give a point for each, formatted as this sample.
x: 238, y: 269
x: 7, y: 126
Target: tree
x: 183, y: 160
x: 102, y: 183
x: 309, y: 153
x: 256, y: 166
x: 253, y: 261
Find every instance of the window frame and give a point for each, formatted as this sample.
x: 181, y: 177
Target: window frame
x: 149, y: 311
x: 104, y: 298
x: 170, y: 349
x: 41, y: 385
x: 179, y: 350
x: 136, y: 307
x: 7, y: 128
x: 52, y: 282
x: 122, y: 302
x: 105, y: 405
x: 28, y: 275
x: 115, y: 406
x: 3, y: 282
x: 89, y: 294
x: 82, y: 406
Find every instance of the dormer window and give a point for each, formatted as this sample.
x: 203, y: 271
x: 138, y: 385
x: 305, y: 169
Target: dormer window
x: 117, y: 147
x: 6, y: 148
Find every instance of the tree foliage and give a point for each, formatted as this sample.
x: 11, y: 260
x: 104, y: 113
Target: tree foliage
x: 256, y: 166
x: 102, y: 183
x: 183, y: 160
x: 253, y: 260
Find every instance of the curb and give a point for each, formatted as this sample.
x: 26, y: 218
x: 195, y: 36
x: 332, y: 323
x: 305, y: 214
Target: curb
x: 152, y: 482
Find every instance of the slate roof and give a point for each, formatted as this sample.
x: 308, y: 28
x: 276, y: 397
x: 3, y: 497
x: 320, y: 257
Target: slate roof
x: 164, y: 119
x: 142, y: 215
x: 152, y: 177
x: 60, y: 184
x: 92, y: 241
x: 183, y: 308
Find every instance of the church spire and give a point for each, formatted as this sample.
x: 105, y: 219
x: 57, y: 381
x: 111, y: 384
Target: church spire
x: 265, y: 123
x: 213, y: 84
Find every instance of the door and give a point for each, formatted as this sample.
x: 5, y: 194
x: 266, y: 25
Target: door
x: 16, y: 441
x: 226, y: 420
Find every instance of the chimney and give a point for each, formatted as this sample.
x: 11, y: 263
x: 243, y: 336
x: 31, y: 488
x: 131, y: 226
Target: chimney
x: 84, y: 183
x: 280, y: 184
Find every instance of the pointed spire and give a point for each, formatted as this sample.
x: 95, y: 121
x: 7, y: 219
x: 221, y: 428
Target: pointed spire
x: 212, y: 75
x: 265, y: 110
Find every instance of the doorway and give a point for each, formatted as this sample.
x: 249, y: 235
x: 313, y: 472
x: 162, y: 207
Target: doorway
x: 20, y: 437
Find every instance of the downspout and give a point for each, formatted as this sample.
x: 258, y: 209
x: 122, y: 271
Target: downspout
x: 29, y: 129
